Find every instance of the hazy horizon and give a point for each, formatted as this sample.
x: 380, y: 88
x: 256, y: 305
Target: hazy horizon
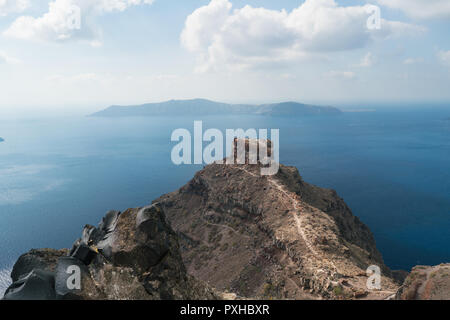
x: 126, y: 53
x: 364, y: 106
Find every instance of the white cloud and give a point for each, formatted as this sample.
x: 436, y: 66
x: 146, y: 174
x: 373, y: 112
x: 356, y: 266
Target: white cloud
x: 80, y: 78
x: 250, y: 37
x: 345, y: 75
x: 106, y: 78
x: 13, y: 6
x: 420, y: 9
x: 119, y: 5
x: 68, y: 19
x: 444, y: 57
x: 5, y: 58
x: 367, y: 61
x: 204, y: 23
x: 412, y: 60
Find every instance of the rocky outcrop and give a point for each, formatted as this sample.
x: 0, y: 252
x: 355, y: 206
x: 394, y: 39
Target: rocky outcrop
x: 45, y: 259
x: 231, y: 229
x: 130, y: 255
x: 426, y: 283
x: 273, y: 236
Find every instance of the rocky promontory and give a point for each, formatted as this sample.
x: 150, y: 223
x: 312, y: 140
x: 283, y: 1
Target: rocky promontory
x: 273, y: 237
x: 228, y: 233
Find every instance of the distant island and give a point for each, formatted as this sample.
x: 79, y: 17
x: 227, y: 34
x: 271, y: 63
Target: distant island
x: 1, y: 139
x: 208, y: 107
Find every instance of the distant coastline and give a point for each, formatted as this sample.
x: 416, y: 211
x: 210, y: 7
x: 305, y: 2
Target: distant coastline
x: 207, y: 107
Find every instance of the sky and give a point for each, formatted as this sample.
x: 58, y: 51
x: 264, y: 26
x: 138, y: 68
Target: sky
x: 84, y: 55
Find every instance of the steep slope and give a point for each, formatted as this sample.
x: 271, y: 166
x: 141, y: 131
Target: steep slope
x: 426, y: 283
x: 277, y: 237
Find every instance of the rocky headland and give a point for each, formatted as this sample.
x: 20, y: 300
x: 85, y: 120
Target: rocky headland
x: 229, y: 233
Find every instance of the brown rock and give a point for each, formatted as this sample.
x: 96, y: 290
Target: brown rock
x: 426, y: 283
x: 240, y: 230
x: 45, y: 259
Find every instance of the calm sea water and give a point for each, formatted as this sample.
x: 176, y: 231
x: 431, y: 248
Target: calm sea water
x: 391, y: 167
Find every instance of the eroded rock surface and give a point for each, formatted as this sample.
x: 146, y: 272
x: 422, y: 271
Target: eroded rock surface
x: 426, y: 283
x: 273, y: 236
x: 130, y: 255
x: 36, y: 259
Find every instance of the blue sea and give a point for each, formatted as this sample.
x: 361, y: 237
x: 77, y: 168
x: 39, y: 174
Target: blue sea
x: 391, y: 166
